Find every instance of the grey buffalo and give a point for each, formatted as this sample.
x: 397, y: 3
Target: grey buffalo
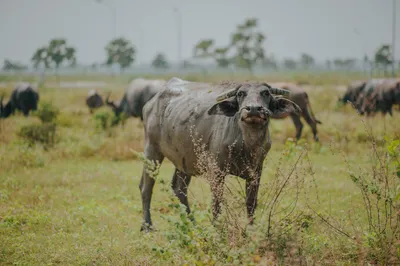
x: 94, y: 100
x: 229, y: 122
x: 135, y: 97
x: 23, y: 98
x: 300, y: 97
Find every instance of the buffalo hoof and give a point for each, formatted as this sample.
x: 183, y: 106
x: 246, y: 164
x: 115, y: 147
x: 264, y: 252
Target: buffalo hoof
x: 316, y: 138
x: 146, y: 228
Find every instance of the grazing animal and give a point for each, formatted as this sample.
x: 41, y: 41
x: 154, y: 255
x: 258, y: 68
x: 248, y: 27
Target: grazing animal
x: 352, y: 92
x: 136, y: 96
x: 382, y: 98
x: 94, y: 100
x: 230, y: 121
x: 300, y: 97
x: 24, y: 98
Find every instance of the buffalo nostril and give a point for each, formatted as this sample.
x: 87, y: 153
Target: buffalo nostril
x: 259, y: 109
x: 247, y: 108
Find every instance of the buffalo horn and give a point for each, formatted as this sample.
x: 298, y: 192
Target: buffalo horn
x: 279, y: 91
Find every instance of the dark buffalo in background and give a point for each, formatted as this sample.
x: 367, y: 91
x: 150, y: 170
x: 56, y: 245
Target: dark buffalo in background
x: 23, y: 98
x: 138, y: 93
x: 381, y: 97
x: 299, y: 97
x: 94, y: 100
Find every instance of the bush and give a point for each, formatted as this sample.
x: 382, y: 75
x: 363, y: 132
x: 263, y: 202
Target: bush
x: 105, y: 120
x: 42, y: 133
x: 47, y: 112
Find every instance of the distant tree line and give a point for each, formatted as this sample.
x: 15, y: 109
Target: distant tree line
x: 245, y: 50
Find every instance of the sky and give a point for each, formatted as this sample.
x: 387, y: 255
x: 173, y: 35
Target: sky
x: 325, y: 29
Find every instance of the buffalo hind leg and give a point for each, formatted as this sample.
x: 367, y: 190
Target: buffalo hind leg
x: 312, y: 123
x: 180, y: 183
x: 297, y: 123
x: 146, y: 185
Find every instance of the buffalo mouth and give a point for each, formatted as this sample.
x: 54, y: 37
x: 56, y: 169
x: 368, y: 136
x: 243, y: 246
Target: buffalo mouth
x: 254, y: 119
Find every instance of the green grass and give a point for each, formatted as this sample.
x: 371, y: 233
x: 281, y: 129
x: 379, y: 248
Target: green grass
x: 78, y: 203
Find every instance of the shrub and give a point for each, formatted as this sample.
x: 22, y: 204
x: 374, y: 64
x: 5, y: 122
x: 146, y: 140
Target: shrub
x: 42, y: 133
x: 47, y: 112
x: 105, y: 120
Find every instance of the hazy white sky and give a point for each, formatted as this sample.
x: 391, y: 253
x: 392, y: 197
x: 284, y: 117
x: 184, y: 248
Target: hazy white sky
x: 323, y: 28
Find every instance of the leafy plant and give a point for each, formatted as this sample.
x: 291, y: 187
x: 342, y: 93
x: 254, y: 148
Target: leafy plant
x: 47, y: 112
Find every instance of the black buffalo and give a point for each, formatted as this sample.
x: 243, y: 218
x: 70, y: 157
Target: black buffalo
x: 24, y: 98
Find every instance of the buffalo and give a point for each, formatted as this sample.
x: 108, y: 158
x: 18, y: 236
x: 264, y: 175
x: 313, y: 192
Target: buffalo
x: 23, y: 98
x: 300, y: 97
x: 358, y: 92
x: 353, y: 91
x: 135, y: 97
x: 94, y: 100
x: 382, y: 97
x: 229, y: 121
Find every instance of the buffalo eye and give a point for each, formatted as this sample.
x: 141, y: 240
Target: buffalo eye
x: 241, y: 94
x: 265, y: 93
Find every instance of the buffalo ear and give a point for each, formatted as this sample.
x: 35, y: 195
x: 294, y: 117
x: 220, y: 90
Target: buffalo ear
x: 281, y: 107
x: 228, y: 107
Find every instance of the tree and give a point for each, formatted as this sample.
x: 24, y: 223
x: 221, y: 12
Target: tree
x: 41, y: 57
x: 306, y: 60
x: 290, y: 64
x: 205, y: 49
x: 248, y: 44
x: 220, y: 56
x: 120, y: 51
x: 160, y: 61
x: 59, y: 52
x: 55, y: 54
x: 338, y: 63
x: 384, y: 57
x: 202, y: 48
x: 8, y: 65
x: 349, y: 63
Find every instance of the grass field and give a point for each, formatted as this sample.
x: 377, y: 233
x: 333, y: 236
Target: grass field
x: 77, y: 202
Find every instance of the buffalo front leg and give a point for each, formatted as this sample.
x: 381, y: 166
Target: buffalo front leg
x: 312, y: 123
x: 147, y: 183
x: 217, y: 191
x: 180, y: 183
x: 252, y: 185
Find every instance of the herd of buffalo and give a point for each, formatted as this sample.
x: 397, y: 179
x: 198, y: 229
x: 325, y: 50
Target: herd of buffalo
x: 229, y: 121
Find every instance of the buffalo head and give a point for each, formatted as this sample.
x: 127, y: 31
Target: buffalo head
x: 116, y: 107
x: 254, y: 103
